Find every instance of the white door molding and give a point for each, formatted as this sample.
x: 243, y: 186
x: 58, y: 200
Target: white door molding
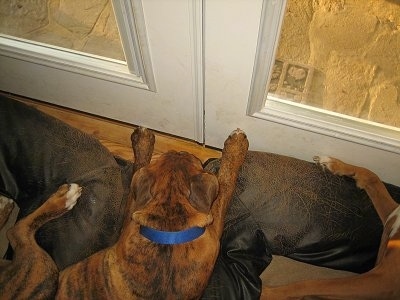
x: 132, y: 27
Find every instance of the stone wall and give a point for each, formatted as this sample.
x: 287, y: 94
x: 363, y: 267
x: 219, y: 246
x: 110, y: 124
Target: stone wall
x: 87, y: 26
x: 353, y: 49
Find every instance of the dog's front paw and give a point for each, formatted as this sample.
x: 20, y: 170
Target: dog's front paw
x: 74, y: 192
x: 236, y: 146
x: 326, y: 162
x: 335, y: 166
x: 142, y: 135
x: 65, y: 198
x: 143, y: 140
x: 323, y: 161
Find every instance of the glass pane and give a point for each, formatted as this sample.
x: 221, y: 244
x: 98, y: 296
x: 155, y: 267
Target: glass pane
x: 342, y: 56
x: 82, y: 25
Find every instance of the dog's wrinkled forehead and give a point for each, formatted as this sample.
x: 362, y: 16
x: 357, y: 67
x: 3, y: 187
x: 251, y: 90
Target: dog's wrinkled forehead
x: 171, y: 168
x: 173, y: 192
x: 173, y: 161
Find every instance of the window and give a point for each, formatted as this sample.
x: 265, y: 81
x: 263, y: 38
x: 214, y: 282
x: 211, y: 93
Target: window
x: 331, y: 67
x: 99, y: 38
x: 85, y: 26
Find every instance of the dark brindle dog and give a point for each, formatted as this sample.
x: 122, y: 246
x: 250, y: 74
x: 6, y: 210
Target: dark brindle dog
x: 33, y: 274
x: 170, y: 240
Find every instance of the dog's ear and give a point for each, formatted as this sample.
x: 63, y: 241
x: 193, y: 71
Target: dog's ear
x: 203, y: 191
x: 142, y: 182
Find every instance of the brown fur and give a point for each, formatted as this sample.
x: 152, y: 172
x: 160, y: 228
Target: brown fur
x: 32, y: 274
x: 383, y: 281
x: 173, y: 193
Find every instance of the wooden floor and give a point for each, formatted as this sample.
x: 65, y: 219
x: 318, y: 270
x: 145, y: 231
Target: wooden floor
x: 116, y: 135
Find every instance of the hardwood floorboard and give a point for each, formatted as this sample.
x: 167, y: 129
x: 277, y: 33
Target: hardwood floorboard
x: 115, y: 136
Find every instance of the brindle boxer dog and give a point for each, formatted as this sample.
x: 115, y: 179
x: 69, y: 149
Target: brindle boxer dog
x: 32, y: 274
x: 170, y: 240
x: 383, y: 281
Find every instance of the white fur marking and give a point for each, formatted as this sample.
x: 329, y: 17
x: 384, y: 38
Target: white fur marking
x: 4, y: 201
x: 236, y: 132
x: 324, y: 159
x: 396, y: 224
x: 73, y: 194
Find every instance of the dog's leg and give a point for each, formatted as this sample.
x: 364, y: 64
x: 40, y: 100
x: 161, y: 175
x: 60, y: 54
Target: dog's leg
x: 143, y: 145
x: 59, y: 203
x: 143, y: 140
x: 233, y: 155
x: 376, y: 190
x: 365, y: 179
x: 32, y: 274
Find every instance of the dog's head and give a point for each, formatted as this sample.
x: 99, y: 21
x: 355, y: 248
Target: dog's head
x: 173, y: 193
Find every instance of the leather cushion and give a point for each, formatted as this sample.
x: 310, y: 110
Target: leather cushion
x: 243, y: 257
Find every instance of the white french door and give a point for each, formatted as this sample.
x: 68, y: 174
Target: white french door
x: 160, y: 86
x: 240, y: 40
x: 196, y: 69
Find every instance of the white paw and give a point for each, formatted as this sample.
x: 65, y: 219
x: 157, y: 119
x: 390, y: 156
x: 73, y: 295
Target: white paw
x: 323, y: 161
x: 237, y: 131
x: 4, y: 201
x: 73, y: 194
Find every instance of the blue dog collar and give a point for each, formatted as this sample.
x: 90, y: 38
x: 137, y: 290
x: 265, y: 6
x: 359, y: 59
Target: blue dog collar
x: 171, y: 237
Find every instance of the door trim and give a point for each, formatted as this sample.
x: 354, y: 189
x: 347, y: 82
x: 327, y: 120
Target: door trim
x: 197, y: 33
